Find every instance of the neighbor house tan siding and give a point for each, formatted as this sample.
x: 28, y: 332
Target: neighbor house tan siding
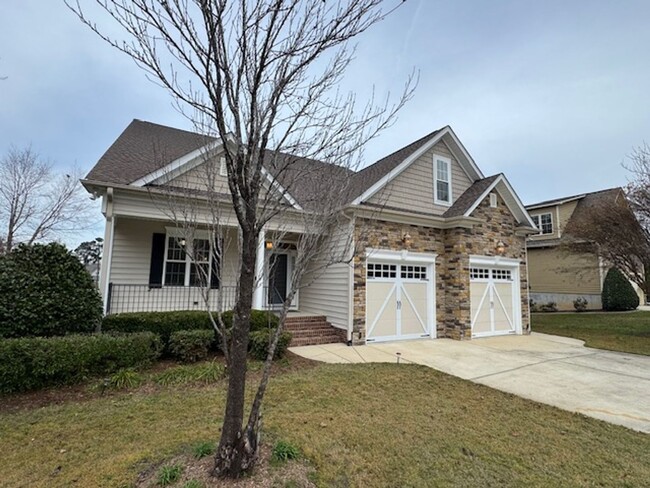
x: 552, y: 270
x: 413, y: 188
x: 327, y: 292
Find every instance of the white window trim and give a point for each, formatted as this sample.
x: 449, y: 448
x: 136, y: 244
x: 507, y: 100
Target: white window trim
x: 178, y: 233
x: 539, y: 223
x: 446, y: 160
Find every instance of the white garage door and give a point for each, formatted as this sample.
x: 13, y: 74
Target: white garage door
x: 494, y: 295
x: 399, y: 301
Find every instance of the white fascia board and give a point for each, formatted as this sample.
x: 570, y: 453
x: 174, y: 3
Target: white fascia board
x: 465, y: 153
x: 177, y: 164
x: 554, y: 203
x: 446, y: 131
x: 521, y: 210
x: 397, y: 170
x: 279, y: 188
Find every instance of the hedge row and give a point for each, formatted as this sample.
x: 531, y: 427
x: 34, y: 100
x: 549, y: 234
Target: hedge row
x: 166, y: 323
x: 30, y: 363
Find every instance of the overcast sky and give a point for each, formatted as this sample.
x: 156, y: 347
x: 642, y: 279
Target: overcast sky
x: 554, y: 94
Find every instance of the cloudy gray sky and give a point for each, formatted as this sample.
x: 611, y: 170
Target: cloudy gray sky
x: 554, y: 93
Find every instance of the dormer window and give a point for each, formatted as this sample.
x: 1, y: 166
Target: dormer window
x: 544, y: 222
x: 442, y: 180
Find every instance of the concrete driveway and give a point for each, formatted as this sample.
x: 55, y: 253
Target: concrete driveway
x: 558, y: 371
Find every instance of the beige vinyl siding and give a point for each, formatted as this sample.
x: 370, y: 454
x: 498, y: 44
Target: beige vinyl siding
x: 566, y: 211
x: 132, y: 252
x: 198, y: 177
x: 413, y: 188
x: 552, y: 270
x: 328, y: 291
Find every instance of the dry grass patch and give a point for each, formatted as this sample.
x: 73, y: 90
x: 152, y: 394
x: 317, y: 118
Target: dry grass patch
x: 355, y: 425
x: 624, y: 332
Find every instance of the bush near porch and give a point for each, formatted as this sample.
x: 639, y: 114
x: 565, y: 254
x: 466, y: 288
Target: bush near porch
x: 37, y: 362
x: 166, y: 323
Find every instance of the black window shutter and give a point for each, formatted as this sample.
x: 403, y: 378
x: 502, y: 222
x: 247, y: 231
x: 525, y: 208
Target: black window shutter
x: 157, y: 260
x: 215, y: 272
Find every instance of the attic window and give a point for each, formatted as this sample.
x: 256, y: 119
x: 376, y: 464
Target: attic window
x: 223, y: 170
x: 442, y: 180
x: 493, y: 200
x: 544, y: 222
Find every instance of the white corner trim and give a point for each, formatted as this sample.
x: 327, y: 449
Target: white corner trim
x: 403, y: 255
x: 177, y: 164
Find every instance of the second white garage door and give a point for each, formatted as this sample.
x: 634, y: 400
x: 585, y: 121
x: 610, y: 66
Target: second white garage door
x: 494, y: 293
x: 399, y: 301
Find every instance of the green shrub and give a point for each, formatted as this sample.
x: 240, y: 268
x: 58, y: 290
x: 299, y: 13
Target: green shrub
x: 284, y: 451
x: 46, y: 291
x: 260, y: 340
x: 190, y: 346
x: 30, y: 363
x: 580, y: 304
x: 165, y: 323
x: 548, y: 307
x: 170, y: 474
x: 203, y: 449
x: 618, y: 292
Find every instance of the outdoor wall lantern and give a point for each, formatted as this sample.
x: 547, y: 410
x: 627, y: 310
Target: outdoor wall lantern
x: 406, y: 239
x: 268, y: 245
x: 501, y: 248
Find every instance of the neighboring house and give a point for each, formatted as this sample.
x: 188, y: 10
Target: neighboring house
x: 555, y: 273
x: 439, y: 248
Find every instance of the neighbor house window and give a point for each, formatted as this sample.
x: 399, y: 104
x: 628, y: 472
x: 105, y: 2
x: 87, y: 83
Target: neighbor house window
x: 442, y: 180
x: 187, y: 263
x: 544, y: 222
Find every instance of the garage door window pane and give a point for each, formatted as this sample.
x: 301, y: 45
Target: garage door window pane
x: 378, y: 271
x: 501, y: 275
x: 409, y: 272
x: 479, y: 273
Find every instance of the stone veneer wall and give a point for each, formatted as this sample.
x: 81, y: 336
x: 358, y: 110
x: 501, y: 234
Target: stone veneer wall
x: 453, y: 247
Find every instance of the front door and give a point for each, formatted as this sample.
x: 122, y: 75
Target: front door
x: 278, y: 275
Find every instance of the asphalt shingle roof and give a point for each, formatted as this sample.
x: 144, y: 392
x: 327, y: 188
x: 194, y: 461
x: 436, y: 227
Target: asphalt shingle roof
x: 144, y: 147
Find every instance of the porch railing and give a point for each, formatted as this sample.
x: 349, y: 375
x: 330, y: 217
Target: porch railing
x: 123, y: 298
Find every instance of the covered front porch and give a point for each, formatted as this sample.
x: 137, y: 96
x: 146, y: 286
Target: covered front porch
x: 147, y: 268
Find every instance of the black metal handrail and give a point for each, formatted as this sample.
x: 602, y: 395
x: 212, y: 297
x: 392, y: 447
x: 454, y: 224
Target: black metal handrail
x: 123, y: 298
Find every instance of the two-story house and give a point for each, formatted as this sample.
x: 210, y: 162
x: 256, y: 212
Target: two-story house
x: 442, y: 252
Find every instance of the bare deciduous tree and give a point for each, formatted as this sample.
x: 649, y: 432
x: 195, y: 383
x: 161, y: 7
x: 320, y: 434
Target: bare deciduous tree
x: 261, y: 77
x: 36, y: 203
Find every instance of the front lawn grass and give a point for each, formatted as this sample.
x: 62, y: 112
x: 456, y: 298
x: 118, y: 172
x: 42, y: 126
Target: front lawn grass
x: 625, y: 332
x: 362, y: 425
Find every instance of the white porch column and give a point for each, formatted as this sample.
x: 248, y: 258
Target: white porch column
x: 107, y: 254
x: 258, y: 293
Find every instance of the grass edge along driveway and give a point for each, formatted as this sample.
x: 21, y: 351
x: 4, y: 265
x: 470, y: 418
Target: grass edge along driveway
x: 357, y: 425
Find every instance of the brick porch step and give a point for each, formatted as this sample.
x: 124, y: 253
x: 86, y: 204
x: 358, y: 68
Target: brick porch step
x: 313, y: 330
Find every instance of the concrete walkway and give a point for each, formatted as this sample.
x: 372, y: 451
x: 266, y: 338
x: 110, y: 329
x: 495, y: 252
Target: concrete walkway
x: 558, y: 371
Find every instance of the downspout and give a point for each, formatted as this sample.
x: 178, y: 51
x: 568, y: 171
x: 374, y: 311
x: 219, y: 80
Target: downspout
x: 350, y: 329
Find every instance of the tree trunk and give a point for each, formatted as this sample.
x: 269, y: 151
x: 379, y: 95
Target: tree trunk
x: 238, y: 452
